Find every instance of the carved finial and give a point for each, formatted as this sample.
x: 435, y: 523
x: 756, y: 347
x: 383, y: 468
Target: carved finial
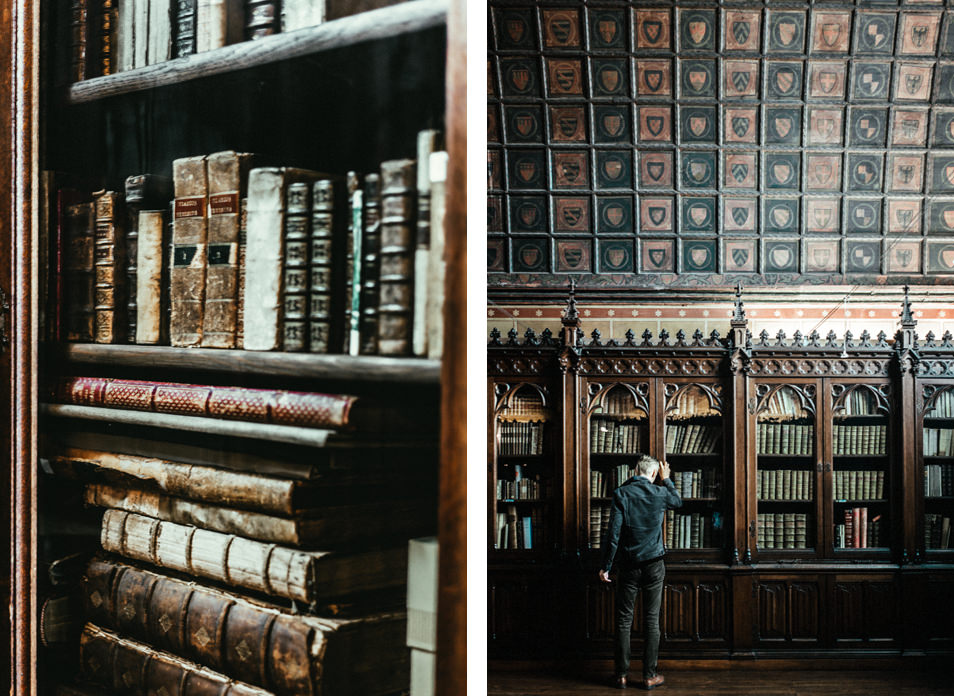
x: 529, y: 337
x: 848, y: 337
x: 763, y: 337
x: 495, y: 336
x: 865, y: 339
x: 680, y: 338
x: 630, y: 337
x: 664, y: 337
x: 596, y: 337
x: 546, y: 337
x: 813, y: 338
x: 929, y: 339
x: 907, y: 317
x: 882, y: 339
x: 714, y: 337
x: 780, y: 338
x: 831, y: 340
x: 570, y: 315
x: 647, y: 337
x: 739, y: 313
x: 797, y: 338
x: 946, y: 339
x: 697, y: 337
x: 512, y: 337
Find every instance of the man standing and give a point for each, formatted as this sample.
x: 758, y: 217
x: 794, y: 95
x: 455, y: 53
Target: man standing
x: 636, y: 529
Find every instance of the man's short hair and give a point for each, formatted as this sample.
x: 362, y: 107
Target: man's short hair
x: 647, y: 465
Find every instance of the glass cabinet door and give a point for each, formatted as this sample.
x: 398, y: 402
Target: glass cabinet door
x: 860, y: 466
x: 938, y: 458
x: 694, y: 449
x: 524, y: 477
x: 785, y: 485
x: 618, y: 433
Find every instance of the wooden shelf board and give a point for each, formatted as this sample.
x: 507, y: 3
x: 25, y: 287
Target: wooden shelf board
x: 362, y: 368
x: 856, y: 501
x: 403, y: 18
x: 519, y: 501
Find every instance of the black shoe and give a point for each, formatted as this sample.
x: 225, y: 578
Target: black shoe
x: 653, y: 682
x: 620, y: 682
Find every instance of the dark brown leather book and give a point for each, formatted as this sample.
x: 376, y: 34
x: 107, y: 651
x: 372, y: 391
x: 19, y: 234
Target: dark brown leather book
x: 106, y: 24
x: 253, y: 641
x: 228, y: 181
x: 130, y: 667
x: 371, y: 247
x: 353, y: 184
x: 295, y: 273
x: 240, y: 276
x: 79, y: 39
x: 110, y: 267
x: 189, y: 240
x: 79, y: 272
x: 262, y: 18
x: 143, y: 191
x: 184, y: 28
x: 398, y: 195
x: 328, y: 222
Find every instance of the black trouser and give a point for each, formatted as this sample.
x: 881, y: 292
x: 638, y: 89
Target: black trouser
x: 648, y: 577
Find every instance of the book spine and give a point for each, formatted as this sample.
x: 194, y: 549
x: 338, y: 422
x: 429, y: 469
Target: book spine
x: 184, y: 28
x: 261, y: 18
x: 262, y: 405
x: 323, y: 225
x: 110, y: 268
x: 125, y: 34
x: 149, y: 267
x: 264, y: 258
x: 133, y: 199
x: 297, y: 231
x: 240, y: 275
x: 352, y: 184
x: 353, y: 298
x: 218, y: 23
x: 189, y: 239
x: 397, y: 242
x: 106, y: 23
x: 131, y: 667
x: 427, y: 144
x: 371, y: 243
x: 159, y: 43
x: 79, y: 39
x: 227, y: 177
x: 298, y: 14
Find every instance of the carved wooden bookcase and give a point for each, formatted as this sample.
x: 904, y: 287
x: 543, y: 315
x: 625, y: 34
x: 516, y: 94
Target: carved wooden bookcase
x: 802, y: 469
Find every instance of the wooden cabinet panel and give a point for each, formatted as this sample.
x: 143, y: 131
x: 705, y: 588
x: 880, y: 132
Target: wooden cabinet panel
x: 522, y: 621
x: 938, y: 606
x: 789, y: 611
x: 677, y: 619
x: 804, y: 612
x: 712, y: 599
x: 601, y: 613
x: 772, y: 611
x: 864, y: 612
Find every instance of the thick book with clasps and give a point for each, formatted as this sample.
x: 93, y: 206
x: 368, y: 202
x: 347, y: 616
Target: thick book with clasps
x: 256, y: 642
x: 313, y: 577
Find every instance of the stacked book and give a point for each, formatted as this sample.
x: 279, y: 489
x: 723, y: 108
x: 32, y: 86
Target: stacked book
x: 240, y: 580
x: 522, y: 487
x: 859, y: 485
x: 859, y: 530
x: 786, y: 530
x: 939, y: 442
x: 937, y: 531
x: 783, y: 484
x: 518, y: 530
x: 526, y: 405
x: 521, y: 438
x: 689, y: 531
x: 860, y: 439
x: 796, y: 439
x: 938, y: 480
x: 610, y: 436
x: 110, y: 36
x: 602, y: 484
x: 260, y: 258
x: 701, y: 483
x: 599, y: 522
x: 692, y: 438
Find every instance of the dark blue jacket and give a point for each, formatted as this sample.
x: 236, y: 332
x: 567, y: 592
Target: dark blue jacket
x: 636, y: 521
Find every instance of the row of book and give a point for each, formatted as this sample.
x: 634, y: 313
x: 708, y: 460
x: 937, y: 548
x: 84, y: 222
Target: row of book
x: 858, y: 485
x: 110, y: 36
x: 693, y: 438
x: 939, y: 442
x: 859, y: 439
x: 235, y: 581
x: 701, y: 483
x: 620, y: 403
x: 526, y: 405
x: 600, y: 512
x: 938, y: 480
x: 521, y: 438
x: 943, y: 405
x: 784, y: 484
x: 603, y: 483
x: 608, y: 436
x: 691, y: 402
x: 783, y: 404
x: 782, y: 530
x: 937, y: 531
x: 522, y: 487
x: 786, y: 438
x: 266, y: 258
x: 519, y: 531
x: 859, y: 402
x: 692, y: 531
x: 859, y: 530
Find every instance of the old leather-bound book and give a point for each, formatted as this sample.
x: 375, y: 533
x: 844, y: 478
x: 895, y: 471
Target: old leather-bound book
x: 143, y: 191
x: 334, y: 526
x: 253, y: 641
x: 109, y: 250
x: 297, y: 231
x: 398, y: 193
x: 313, y: 577
x: 262, y: 18
x: 436, y: 265
x: 184, y: 28
x: 371, y: 248
x: 427, y: 143
x: 150, y: 276
x: 80, y: 44
x: 217, y: 23
x: 328, y: 222
x: 189, y: 239
x: 265, y: 254
x: 298, y: 14
x: 130, y: 667
x: 228, y: 179
x: 351, y: 263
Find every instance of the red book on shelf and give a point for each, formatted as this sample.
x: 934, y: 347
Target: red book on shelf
x: 863, y: 525
x: 259, y: 405
x: 855, y: 528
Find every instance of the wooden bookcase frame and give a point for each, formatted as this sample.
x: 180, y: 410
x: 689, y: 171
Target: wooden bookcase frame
x: 21, y: 146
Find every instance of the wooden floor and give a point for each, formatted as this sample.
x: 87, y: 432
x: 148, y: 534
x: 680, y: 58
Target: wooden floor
x: 733, y: 682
